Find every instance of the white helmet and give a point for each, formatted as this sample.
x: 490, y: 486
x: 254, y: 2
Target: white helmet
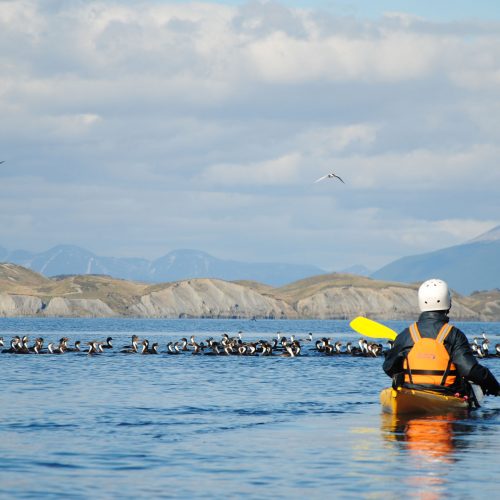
x: 434, y: 295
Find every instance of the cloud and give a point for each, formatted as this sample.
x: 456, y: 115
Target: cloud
x: 428, y: 170
x: 139, y: 128
x: 387, y: 58
x: 276, y: 171
x: 327, y: 141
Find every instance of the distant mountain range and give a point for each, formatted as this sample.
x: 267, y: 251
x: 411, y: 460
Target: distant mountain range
x: 358, y: 270
x: 176, y: 265
x: 472, y: 266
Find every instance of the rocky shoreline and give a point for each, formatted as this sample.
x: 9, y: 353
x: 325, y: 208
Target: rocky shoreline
x: 333, y: 296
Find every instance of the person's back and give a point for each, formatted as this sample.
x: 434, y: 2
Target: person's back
x: 416, y: 357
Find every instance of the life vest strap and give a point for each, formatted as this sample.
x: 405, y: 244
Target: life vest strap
x: 414, y: 332
x: 407, y: 371
x: 446, y: 373
x: 443, y: 333
x: 440, y: 337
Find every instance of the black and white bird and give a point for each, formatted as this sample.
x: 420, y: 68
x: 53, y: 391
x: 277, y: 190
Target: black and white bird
x: 330, y: 176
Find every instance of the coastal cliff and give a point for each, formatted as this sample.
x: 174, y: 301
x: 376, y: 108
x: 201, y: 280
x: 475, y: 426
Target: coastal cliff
x: 333, y: 296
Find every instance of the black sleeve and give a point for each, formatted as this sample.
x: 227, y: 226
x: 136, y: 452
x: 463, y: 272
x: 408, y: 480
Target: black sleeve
x: 481, y: 376
x: 395, y: 356
x: 461, y: 353
x: 468, y: 367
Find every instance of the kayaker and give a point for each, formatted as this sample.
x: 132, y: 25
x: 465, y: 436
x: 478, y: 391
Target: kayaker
x: 428, y: 364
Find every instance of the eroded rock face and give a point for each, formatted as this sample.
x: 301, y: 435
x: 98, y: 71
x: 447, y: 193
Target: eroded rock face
x: 386, y: 303
x: 94, y: 308
x: 19, y: 305
x: 491, y: 310
x: 212, y: 298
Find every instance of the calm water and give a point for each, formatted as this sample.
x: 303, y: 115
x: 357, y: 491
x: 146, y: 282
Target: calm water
x: 130, y: 426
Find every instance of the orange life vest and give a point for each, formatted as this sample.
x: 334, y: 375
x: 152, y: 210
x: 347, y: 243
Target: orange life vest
x: 428, y: 361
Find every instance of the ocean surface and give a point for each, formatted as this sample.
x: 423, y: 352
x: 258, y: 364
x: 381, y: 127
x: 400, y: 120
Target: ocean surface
x: 130, y: 426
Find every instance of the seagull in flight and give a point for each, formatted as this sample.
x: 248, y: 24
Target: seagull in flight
x: 3, y: 161
x: 330, y: 176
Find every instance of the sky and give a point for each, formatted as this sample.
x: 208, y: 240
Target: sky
x: 135, y: 128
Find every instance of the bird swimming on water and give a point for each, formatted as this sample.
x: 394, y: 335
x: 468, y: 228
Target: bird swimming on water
x: 330, y: 176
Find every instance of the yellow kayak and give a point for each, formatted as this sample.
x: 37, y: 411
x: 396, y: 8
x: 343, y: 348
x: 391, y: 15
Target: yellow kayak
x: 410, y: 401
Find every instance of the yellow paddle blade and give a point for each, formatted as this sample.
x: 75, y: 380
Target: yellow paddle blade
x: 369, y: 328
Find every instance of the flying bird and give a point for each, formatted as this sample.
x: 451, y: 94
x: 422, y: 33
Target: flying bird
x: 3, y: 161
x: 330, y: 176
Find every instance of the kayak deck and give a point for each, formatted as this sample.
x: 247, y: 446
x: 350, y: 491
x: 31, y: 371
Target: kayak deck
x: 410, y: 401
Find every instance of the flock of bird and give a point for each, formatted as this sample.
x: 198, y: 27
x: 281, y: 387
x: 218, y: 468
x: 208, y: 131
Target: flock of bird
x: 225, y: 346
x: 481, y: 347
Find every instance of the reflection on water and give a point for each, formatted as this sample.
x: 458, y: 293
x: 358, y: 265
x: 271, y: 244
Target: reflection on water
x: 427, y: 438
x: 430, y: 443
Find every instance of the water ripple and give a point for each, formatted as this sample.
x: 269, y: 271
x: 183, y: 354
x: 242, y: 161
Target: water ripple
x: 116, y: 426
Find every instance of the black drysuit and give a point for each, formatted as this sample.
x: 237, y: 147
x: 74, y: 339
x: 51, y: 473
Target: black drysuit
x: 456, y: 343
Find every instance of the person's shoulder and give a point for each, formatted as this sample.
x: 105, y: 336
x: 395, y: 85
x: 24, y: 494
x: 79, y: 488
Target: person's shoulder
x: 455, y: 328
x: 403, y: 336
x: 404, y: 333
x: 457, y: 333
